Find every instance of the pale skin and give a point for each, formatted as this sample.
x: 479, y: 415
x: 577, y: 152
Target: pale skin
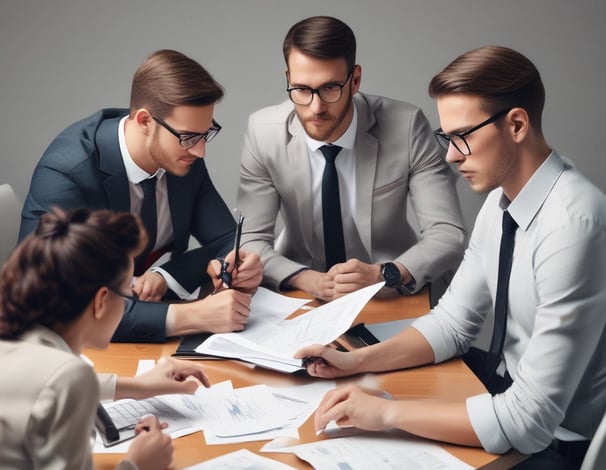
x: 504, y: 155
x: 152, y: 147
x: 327, y: 122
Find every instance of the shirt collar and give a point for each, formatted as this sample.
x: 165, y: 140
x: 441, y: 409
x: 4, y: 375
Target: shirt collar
x: 346, y: 141
x: 530, y: 199
x: 133, y: 172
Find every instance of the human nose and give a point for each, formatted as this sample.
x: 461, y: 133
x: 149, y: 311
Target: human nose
x: 453, y: 155
x: 198, y: 150
x: 317, y: 104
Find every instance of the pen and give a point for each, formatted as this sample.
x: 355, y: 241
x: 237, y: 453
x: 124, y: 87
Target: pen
x: 146, y: 415
x: 225, y: 275
x: 237, y: 241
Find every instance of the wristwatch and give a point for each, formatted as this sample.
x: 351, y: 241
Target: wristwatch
x: 390, y: 274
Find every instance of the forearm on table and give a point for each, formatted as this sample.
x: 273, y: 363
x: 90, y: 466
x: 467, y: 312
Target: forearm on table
x: 407, y: 349
x: 432, y: 419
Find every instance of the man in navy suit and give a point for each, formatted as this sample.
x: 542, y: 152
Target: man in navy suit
x: 104, y: 162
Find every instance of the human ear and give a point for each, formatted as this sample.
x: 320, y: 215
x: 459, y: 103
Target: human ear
x: 518, y: 124
x: 143, y: 119
x: 356, y: 79
x: 99, y: 303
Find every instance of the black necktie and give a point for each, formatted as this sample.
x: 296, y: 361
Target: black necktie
x: 500, y: 309
x: 334, y: 246
x: 148, y: 215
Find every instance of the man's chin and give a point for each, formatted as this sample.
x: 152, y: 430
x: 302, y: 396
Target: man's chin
x: 179, y: 170
x: 321, y: 133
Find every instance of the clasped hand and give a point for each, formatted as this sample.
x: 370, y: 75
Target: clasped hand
x: 341, y: 279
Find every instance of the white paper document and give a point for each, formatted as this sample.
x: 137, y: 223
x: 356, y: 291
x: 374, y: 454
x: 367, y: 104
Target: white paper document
x: 180, y: 411
x: 241, y: 459
x: 226, y: 415
x: 293, y: 406
x: 271, y: 342
x: 374, y: 450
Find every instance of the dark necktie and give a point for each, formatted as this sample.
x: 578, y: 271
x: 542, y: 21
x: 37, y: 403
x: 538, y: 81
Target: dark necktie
x: 500, y: 309
x: 149, y: 218
x: 334, y: 246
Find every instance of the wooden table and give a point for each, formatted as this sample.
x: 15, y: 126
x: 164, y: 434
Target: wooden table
x: 449, y: 380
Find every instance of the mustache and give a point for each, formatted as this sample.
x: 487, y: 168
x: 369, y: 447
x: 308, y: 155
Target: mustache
x: 322, y: 115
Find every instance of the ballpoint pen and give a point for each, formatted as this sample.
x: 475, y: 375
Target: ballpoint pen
x: 225, y: 275
x: 237, y: 241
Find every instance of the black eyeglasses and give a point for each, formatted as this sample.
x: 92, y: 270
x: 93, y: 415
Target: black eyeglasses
x: 457, y: 139
x: 329, y: 93
x: 125, y: 295
x: 188, y: 140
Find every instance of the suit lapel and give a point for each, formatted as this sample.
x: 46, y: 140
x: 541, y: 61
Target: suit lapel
x: 110, y: 161
x: 366, y: 166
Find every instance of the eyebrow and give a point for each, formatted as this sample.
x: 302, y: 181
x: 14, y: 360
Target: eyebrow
x: 301, y: 85
x: 180, y: 131
x: 460, y: 130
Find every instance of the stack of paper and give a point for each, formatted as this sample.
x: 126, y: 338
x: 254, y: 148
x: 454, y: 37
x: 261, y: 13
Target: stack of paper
x: 271, y: 342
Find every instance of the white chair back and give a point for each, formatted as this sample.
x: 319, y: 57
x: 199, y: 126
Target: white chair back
x: 10, y: 219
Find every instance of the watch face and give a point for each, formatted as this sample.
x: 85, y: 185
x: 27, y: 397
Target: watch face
x: 391, y: 275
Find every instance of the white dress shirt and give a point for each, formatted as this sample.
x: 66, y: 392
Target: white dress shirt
x: 555, y: 344
x: 164, y: 235
x: 346, y: 169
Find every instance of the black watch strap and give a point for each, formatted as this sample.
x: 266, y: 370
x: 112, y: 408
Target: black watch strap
x: 391, y: 274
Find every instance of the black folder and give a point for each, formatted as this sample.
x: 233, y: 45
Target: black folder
x: 189, y: 343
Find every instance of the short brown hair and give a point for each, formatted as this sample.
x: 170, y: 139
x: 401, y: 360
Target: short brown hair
x: 504, y: 78
x: 55, y: 272
x: 322, y: 37
x: 169, y: 78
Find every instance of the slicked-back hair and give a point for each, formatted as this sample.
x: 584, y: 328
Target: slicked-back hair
x: 54, y: 273
x: 502, y: 77
x: 168, y: 79
x: 322, y: 37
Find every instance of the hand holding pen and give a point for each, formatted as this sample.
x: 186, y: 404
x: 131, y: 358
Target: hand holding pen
x: 151, y: 448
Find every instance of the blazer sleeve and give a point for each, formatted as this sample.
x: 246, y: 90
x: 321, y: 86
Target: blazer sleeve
x: 259, y: 199
x: 142, y: 322
x: 433, y: 196
x: 51, y: 186
x: 62, y: 417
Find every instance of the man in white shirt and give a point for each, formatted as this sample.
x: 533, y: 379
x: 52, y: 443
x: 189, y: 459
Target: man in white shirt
x: 548, y: 393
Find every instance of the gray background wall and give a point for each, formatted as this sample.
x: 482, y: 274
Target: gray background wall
x: 61, y: 60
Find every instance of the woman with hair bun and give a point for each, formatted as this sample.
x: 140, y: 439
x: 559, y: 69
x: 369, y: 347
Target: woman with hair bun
x: 61, y: 291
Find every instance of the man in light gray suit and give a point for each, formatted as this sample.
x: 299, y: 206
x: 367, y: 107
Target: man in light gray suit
x: 385, y: 154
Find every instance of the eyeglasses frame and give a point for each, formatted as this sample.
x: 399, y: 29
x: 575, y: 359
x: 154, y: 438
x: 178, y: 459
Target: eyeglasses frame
x: 445, y: 139
x: 188, y: 140
x: 316, y: 91
x: 130, y: 297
